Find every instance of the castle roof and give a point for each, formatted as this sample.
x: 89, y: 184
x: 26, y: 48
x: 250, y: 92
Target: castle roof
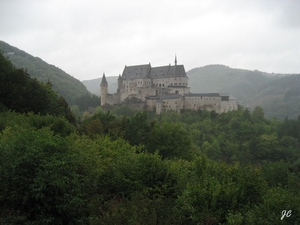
x: 146, y: 71
x: 134, y: 72
x: 202, y: 95
x: 104, y: 81
x: 163, y: 97
x: 167, y: 71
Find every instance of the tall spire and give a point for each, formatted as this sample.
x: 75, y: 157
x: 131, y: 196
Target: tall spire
x: 175, y: 60
x: 103, y: 81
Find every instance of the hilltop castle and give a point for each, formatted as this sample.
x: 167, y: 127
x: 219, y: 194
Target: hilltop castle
x: 162, y: 88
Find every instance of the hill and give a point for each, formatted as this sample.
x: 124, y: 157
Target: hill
x: 243, y: 84
x: 64, y: 84
x: 279, y: 98
x: 21, y: 93
x: 94, y: 85
x: 277, y: 94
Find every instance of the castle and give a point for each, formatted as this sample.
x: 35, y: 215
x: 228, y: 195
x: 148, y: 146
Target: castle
x: 161, y: 89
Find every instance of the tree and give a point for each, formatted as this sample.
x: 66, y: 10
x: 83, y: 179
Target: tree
x: 258, y: 115
x: 39, y: 177
x: 171, y: 140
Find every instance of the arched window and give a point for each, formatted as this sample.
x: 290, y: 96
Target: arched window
x: 176, y: 92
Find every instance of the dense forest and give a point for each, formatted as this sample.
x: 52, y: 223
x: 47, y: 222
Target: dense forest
x: 134, y: 167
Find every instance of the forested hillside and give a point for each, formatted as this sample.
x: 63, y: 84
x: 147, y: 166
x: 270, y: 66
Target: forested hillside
x: 251, y: 88
x: 218, y: 78
x: 64, y: 84
x: 135, y: 167
x: 279, y: 98
x: 21, y: 93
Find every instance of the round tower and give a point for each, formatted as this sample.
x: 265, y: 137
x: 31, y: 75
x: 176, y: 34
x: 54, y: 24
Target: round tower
x: 103, y: 90
x: 119, y: 84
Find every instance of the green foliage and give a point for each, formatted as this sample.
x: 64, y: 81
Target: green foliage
x: 170, y: 140
x: 84, y: 102
x: 58, y: 124
x: 39, y: 177
x: 188, y: 168
x: 23, y: 94
x: 123, y: 111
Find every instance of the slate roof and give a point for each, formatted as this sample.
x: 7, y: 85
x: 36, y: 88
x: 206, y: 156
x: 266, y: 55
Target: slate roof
x: 162, y: 97
x: 104, y: 81
x: 224, y: 94
x: 202, y: 94
x: 159, y: 72
x: 177, y: 71
x: 146, y: 71
x: 133, y: 72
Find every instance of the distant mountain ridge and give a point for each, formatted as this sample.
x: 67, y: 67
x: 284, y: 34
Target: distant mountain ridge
x: 64, y: 84
x: 94, y: 85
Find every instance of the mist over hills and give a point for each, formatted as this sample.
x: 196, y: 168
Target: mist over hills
x: 277, y: 94
x: 94, y: 85
x: 64, y: 84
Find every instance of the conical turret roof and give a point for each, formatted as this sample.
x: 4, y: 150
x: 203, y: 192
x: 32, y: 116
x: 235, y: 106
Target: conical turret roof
x: 103, y: 81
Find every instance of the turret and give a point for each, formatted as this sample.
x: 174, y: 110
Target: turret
x: 119, y: 82
x: 103, y: 90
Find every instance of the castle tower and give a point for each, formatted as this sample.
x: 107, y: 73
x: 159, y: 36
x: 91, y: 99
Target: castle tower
x: 103, y: 90
x: 119, y: 84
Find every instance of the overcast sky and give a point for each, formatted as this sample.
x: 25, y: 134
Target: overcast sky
x: 86, y: 38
